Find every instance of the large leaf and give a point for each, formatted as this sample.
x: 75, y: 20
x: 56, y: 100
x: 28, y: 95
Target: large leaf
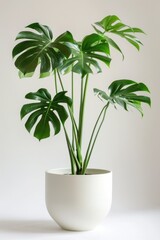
x: 45, y: 112
x: 112, y: 24
x: 85, y: 58
x: 38, y: 47
x: 122, y: 92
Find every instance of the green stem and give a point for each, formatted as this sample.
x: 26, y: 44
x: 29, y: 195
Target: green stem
x: 92, y: 142
x: 71, y: 152
x: 60, y: 80
x: 75, y: 132
x: 70, y: 112
x: 80, y: 112
x: 73, y: 119
x: 55, y: 81
x: 82, y: 106
x: 72, y: 108
x: 71, y: 158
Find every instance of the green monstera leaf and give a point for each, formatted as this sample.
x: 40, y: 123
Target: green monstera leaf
x: 38, y: 47
x: 87, y: 54
x: 112, y: 24
x: 45, y: 112
x: 123, y: 93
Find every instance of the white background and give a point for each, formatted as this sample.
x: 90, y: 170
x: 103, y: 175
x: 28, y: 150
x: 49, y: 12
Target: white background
x: 128, y: 144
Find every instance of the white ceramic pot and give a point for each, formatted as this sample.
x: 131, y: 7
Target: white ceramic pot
x: 78, y: 202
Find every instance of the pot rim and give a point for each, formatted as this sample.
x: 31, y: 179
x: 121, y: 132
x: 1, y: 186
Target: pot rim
x: 67, y: 172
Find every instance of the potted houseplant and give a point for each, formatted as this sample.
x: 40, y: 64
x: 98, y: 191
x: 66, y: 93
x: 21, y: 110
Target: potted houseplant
x: 80, y: 197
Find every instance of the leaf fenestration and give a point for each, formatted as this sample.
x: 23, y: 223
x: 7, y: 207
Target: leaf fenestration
x: 85, y: 58
x: 46, y: 112
x: 122, y: 92
x: 38, y: 47
x: 112, y: 24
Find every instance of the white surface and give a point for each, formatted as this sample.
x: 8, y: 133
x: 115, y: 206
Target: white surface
x: 143, y: 225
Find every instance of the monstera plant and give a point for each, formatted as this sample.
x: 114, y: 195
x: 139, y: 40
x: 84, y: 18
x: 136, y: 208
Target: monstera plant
x: 37, y: 48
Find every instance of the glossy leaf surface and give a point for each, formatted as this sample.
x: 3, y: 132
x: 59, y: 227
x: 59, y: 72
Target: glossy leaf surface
x: 87, y: 56
x: 37, y: 47
x: 112, y: 24
x: 124, y: 93
x: 45, y: 112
